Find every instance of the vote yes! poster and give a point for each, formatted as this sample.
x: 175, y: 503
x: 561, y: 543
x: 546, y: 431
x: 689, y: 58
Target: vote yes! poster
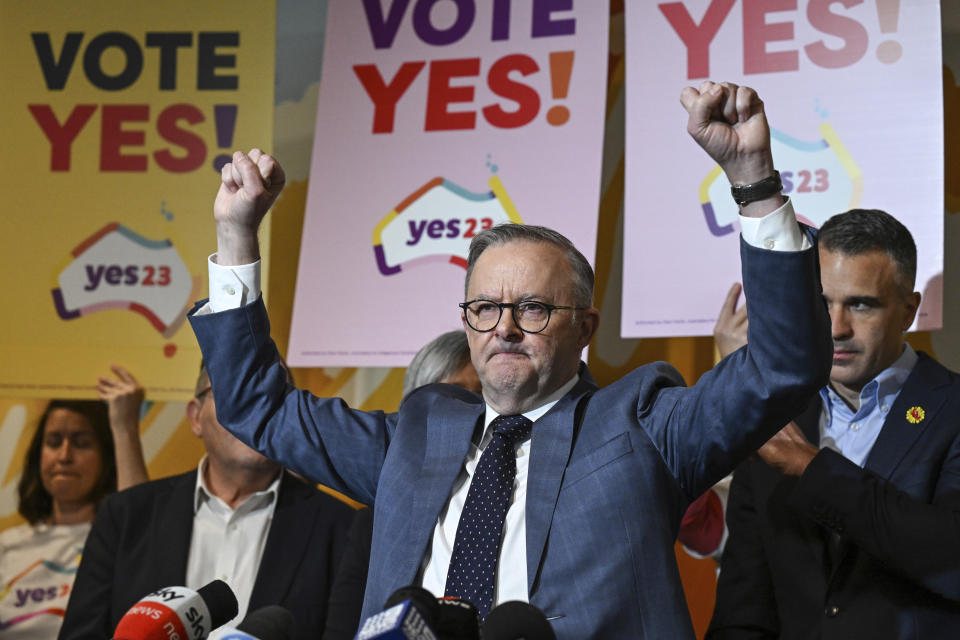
x: 116, y: 119
x: 853, y: 94
x: 437, y: 120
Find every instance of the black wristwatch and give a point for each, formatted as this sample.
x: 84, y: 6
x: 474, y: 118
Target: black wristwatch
x: 744, y: 194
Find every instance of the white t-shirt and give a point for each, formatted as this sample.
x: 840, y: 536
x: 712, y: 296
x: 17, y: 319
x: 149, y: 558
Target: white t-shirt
x: 37, y: 568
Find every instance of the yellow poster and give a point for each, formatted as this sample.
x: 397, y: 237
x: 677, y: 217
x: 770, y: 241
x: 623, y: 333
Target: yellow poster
x: 116, y: 118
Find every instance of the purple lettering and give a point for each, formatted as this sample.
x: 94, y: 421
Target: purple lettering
x: 466, y: 11
x: 383, y: 31
x: 544, y: 25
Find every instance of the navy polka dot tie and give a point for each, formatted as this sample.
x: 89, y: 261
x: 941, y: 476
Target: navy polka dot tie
x: 473, y: 566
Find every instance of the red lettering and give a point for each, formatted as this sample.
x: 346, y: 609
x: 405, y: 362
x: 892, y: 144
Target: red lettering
x: 386, y: 96
x: 61, y: 137
x: 196, y: 150
x: 757, y: 32
x: 113, y: 137
x: 526, y: 97
x: 852, y: 32
x: 697, y: 38
x: 440, y: 94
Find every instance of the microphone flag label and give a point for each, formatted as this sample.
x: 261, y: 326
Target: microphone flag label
x: 402, y: 621
x: 171, y: 613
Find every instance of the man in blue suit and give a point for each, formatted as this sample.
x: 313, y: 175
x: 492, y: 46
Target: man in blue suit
x: 849, y: 524
x: 597, y: 479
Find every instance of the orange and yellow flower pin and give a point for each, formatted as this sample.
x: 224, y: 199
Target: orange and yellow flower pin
x: 915, y: 415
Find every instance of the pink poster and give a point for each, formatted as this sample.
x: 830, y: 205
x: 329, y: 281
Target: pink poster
x: 853, y: 93
x: 437, y: 120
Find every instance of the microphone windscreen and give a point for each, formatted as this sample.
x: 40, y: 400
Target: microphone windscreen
x: 423, y: 600
x: 517, y: 620
x: 457, y: 620
x: 220, y: 601
x: 272, y: 622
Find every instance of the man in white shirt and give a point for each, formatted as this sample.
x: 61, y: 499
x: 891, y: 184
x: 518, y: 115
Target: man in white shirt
x: 581, y: 490
x: 239, y: 518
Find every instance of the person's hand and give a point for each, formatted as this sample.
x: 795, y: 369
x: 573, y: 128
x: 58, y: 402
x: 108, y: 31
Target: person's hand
x: 249, y: 185
x: 789, y: 452
x: 728, y: 122
x: 730, y: 331
x: 123, y: 395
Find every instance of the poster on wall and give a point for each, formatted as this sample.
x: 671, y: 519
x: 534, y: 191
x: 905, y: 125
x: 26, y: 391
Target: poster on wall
x: 116, y: 119
x: 853, y: 94
x: 436, y: 121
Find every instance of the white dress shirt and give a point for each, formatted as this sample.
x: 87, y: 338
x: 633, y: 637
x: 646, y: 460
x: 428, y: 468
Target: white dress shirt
x: 227, y: 544
x: 511, y: 581
x: 234, y: 286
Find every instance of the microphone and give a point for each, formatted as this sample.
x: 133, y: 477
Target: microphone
x: 272, y: 622
x: 178, y: 612
x: 408, y: 615
x: 517, y: 620
x: 457, y: 620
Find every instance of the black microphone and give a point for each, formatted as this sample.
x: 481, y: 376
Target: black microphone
x: 457, y: 620
x: 178, y: 612
x: 425, y: 602
x: 409, y: 614
x: 272, y: 622
x: 517, y: 620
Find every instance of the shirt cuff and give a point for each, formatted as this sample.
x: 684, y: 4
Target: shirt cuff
x: 231, y: 287
x: 777, y: 231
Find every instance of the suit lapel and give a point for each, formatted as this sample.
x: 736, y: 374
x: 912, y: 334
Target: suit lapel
x: 171, y: 540
x: 290, y: 532
x: 449, y: 434
x: 550, y: 449
x: 924, y: 390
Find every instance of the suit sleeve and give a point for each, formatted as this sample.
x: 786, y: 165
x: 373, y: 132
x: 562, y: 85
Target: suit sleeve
x: 746, y: 607
x: 704, y: 431
x: 915, y: 539
x: 320, y: 438
x: 88, y: 615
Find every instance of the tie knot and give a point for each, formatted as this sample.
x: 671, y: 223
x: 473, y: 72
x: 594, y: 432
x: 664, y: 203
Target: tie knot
x: 513, y: 429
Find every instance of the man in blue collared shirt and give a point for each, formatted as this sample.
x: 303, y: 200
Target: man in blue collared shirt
x: 848, y: 526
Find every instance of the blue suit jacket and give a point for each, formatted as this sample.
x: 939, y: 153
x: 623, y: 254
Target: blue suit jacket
x: 611, y: 470
x: 843, y: 552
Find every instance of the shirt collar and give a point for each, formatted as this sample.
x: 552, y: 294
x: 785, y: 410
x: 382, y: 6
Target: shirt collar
x: 886, y: 383
x: 202, y: 492
x: 535, y: 414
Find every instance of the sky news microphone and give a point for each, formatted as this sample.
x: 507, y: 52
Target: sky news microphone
x: 457, y: 620
x: 409, y: 614
x: 178, y: 612
x: 517, y: 620
x: 272, y: 622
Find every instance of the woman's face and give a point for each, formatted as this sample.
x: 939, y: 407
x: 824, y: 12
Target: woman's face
x: 70, y: 459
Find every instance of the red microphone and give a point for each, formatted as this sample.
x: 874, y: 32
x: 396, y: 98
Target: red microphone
x: 178, y: 613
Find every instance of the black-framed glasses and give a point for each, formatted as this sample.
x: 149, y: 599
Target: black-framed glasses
x: 531, y: 316
x: 200, y: 396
